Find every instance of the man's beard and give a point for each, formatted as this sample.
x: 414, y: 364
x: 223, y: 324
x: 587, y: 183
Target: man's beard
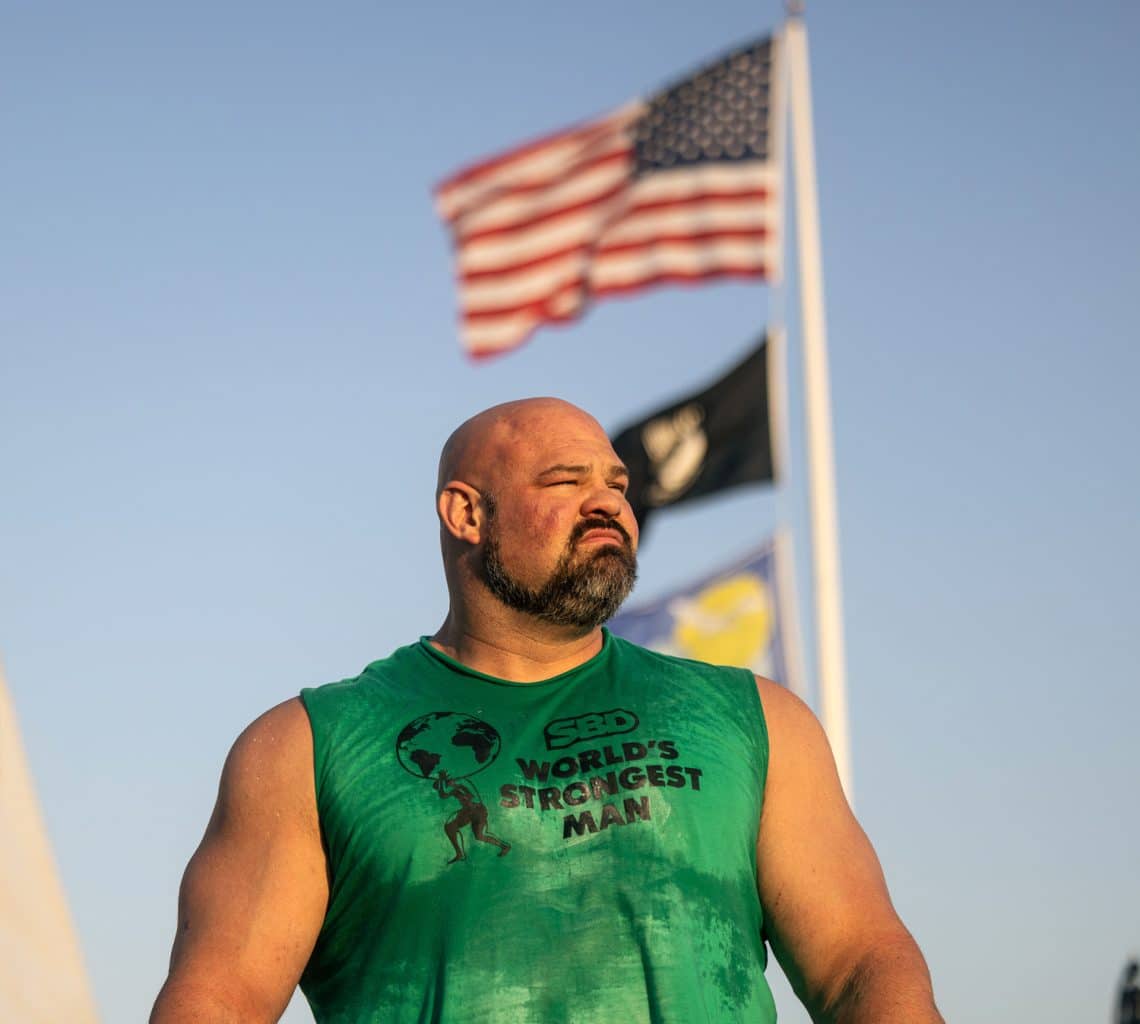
x: 582, y: 591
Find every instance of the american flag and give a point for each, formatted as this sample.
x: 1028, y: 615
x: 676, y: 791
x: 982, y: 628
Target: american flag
x: 683, y: 186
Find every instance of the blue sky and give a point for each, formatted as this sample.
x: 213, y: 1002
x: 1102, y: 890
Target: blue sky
x: 228, y: 358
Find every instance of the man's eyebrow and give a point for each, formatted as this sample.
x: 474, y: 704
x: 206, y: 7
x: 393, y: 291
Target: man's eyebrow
x: 614, y: 471
x: 564, y: 468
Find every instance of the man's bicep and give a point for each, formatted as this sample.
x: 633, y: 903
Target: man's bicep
x: 823, y: 892
x: 254, y: 894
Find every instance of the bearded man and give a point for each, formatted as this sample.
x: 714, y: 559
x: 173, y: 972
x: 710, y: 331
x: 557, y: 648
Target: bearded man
x: 642, y: 823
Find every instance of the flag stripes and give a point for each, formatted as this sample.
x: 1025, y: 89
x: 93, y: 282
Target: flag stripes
x: 543, y: 229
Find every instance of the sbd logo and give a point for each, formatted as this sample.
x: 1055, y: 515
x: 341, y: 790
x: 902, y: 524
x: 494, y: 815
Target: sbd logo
x: 565, y: 732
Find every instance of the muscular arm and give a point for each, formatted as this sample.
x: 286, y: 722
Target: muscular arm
x: 255, y: 891
x: 827, y: 912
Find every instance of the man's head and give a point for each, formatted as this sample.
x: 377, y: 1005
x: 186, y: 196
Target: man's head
x: 533, y: 515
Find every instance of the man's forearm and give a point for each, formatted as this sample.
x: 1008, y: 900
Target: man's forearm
x: 889, y: 985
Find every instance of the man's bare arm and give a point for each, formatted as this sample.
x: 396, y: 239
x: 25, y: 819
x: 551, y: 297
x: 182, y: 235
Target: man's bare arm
x: 254, y: 894
x: 827, y: 911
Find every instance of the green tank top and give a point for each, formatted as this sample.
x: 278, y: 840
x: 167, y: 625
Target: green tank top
x: 573, y: 851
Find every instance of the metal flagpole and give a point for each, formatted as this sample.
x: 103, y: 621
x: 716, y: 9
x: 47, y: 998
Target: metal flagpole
x: 817, y: 408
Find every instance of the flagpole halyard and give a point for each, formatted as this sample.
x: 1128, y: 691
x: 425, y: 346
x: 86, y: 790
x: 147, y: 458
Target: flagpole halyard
x: 817, y: 410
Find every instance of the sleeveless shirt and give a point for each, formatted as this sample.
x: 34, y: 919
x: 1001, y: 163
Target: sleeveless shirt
x: 571, y: 851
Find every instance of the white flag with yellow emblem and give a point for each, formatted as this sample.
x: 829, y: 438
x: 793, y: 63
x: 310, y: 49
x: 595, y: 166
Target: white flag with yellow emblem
x: 743, y: 614
x: 42, y: 978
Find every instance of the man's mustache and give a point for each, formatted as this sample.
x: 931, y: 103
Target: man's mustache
x: 598, y: 523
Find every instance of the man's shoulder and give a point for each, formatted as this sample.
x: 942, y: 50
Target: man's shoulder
x: 728, y: 687
x: 676, y: 663
x: 268, y: 762
x: 376, y: 675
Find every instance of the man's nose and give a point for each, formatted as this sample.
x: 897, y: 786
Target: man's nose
x: 603, y: 500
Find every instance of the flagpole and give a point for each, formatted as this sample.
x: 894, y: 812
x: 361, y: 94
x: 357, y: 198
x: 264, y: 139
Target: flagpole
x: 817, y: 407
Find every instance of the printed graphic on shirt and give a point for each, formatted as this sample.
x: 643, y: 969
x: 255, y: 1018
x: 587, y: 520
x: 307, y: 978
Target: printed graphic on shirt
x: 448, y: 747
x: 604, y: 777
x: 591, y: 789
x: 565, y: 732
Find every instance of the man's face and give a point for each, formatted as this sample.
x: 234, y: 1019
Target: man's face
x: 584, y: 588
x: 560, y: 540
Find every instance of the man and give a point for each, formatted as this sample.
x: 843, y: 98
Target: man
x: 645, y: 822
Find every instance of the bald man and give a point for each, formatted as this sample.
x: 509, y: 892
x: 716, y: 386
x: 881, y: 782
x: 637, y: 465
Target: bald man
x: 524, y: 819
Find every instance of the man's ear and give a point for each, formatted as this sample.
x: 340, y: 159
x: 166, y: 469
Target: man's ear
x: 461, y: 511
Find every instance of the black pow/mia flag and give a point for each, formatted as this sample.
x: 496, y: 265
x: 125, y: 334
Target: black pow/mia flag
x: 701, y: 444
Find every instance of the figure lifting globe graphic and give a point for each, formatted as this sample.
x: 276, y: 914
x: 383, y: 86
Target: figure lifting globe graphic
x: 448, y: 747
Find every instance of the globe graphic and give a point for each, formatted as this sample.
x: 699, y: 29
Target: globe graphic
x: 446, y: 741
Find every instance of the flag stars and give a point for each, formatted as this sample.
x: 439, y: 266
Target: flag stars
x: 720, y: 114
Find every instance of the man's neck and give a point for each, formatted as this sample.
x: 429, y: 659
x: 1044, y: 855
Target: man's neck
x: 515, y: 647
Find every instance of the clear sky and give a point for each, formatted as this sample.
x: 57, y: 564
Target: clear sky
x: 228, y: 358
